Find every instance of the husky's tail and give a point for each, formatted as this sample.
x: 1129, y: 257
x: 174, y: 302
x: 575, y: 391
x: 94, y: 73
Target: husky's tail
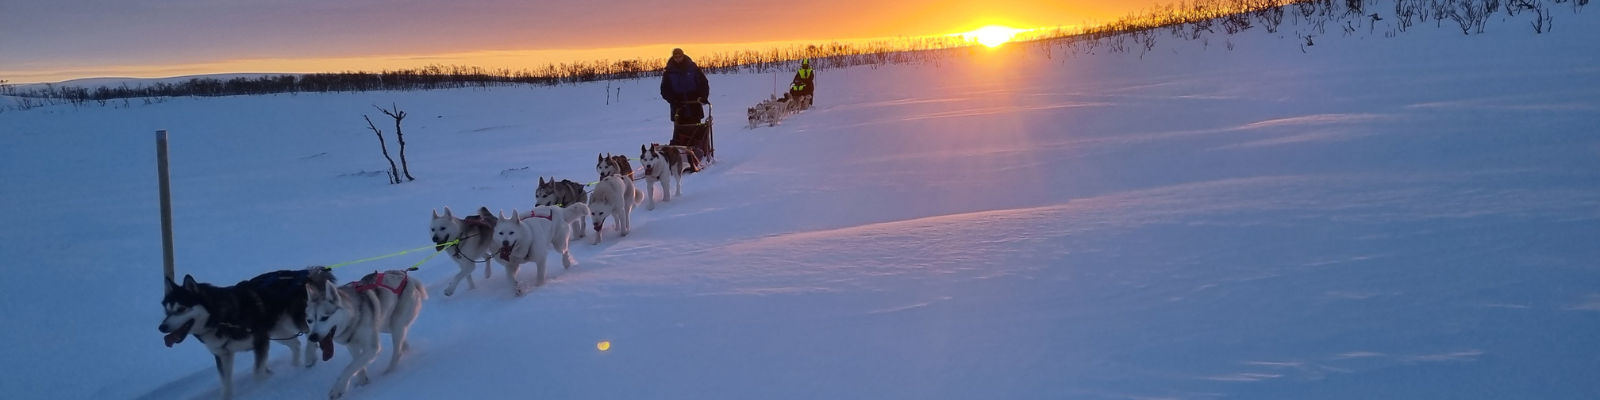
x: 422, y: 289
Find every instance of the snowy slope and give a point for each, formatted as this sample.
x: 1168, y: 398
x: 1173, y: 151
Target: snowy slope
x: 1406, y: 217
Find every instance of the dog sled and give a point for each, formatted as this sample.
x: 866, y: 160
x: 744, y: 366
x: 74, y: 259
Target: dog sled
x: 775, y: 109
x: 697, y: 136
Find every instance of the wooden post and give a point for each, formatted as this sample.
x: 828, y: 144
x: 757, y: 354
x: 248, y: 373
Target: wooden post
x: 166, y: 205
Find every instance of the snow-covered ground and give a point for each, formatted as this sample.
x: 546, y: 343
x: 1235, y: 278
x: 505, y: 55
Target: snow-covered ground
x: 1406, y: 217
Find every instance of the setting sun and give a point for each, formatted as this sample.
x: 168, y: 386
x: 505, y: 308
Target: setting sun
x: 993, y: 35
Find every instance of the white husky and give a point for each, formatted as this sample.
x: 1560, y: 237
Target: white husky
x: 475, y: 233
x: 523, y: 238
x: 354, y: 314
x: 614, y: 197
x: 665, y: 164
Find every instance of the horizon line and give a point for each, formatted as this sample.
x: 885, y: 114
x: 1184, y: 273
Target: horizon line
x: 488, y: 59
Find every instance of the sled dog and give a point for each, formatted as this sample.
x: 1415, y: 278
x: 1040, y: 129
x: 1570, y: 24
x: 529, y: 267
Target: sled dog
x: 665, y: 164
x: 560, y: 194
x: 242, y: 317
x: 613, y: 197
x: 354, y: 314
x: 476, y: 233
x: 608, y: 165
x: 521, y: 238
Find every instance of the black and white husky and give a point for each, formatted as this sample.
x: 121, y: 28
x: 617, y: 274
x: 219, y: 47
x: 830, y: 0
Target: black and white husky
x: 560, y: 194
x: 242, y: 317
x: 666, y: 164
x: 355, y: 314
x: 476, y: 235
x: 521, y: 238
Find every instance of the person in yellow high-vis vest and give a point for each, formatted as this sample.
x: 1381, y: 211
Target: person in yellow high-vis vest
x: 804, y: 83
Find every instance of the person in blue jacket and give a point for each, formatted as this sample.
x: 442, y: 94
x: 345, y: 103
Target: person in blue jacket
x: 684, y: 88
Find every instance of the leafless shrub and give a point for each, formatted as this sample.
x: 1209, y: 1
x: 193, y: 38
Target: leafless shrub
x: 1118, y: 44
x: 1306, y: 9
x: 1146, y: 39
x: 1470, y: 15
x: 1404, y: 11
x: 1198, y: 26
x: 1542, y: 19
x: 1517, y: 6
x: 1270, y: 18
x: 1233, y: 24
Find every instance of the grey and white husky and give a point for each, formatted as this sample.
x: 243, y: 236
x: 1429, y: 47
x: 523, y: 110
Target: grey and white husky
x: 476, y: 235
x: 560, y: 194
x: 522, y: 238
x: 242, y: 317
x: 355, y: 314
x: 666, y: 164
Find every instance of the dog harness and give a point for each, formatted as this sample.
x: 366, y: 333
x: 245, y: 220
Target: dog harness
x: 551, y: 217
x: 394, y: 281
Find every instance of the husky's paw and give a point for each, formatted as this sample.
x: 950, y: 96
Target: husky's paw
x: 311, y: 362
x: 448, y: 292
x: 335, y: 394
x: 362, y: 379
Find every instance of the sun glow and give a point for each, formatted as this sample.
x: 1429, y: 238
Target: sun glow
x: 993, y: 35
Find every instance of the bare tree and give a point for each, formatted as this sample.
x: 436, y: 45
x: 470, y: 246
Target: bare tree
x: 399, y: 137
x: 394, y: 174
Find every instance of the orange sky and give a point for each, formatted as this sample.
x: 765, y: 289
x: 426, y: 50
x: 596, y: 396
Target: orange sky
x: 67, y: 39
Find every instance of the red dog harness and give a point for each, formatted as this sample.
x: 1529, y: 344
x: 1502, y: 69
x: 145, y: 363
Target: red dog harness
x: 551, y: 217
x: 394, y: 281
